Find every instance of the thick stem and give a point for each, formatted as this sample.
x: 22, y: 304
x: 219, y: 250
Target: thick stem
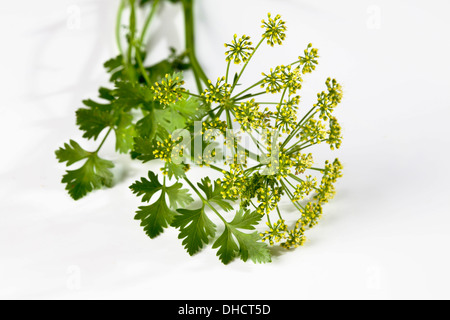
x: 132, y: 35
x: 190, y: 44
x: 119, y: 25
x: 148, y: 21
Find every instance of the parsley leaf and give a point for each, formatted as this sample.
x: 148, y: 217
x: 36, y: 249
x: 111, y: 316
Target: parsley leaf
x: 115, y: 67
x: 129, y: 96
x: 234, y: 242
x: 147, y: 188
x: 71, y: 153
x: 158, y: 216
x: 143, y: 149
x: 195, y: 228
x: 214, y: 193
x: 125, y: 133
x: 178, y: 197
x: 93, y: 121
x: 170, y: 119
x: 94, y: 174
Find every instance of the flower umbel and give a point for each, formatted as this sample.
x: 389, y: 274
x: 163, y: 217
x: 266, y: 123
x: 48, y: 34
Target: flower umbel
x: 169, y: 90
x: 275, y: 29
x: 239, y: 50
x: 219, y: 93
x: 309, y: 61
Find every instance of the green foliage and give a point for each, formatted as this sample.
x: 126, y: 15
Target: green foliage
x: 234, y: 242
x: 93, y: 174
x: 155, y: 217
x: 195, y: 228
x: 213, y: 192
x: 159, y: 215
x: 146, y: 104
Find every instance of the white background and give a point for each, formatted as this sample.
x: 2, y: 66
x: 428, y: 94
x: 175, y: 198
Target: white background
x: 386, y: 235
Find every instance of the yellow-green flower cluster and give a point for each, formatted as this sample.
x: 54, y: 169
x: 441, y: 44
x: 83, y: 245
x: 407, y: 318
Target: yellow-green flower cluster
x: 169, y: 90
x: 334, y: 134
x: 311, y: 214
x: 305, y: 188
x: 163, y: 149
x: 268, y: 197
x: 303, y: 162
x: 309, y: 61
x: 232, y: 182
x: 331, y: 173
x: 249, y: 116
x: 283, y: 166
x: 282, y: 77
x: 166, y: 148
x: 272, y: 81
x: 239, y: 49
x: 327, y: 101
x: 295, y: 238
x: 314, y: 131
x: 213, y: 128
x: 274, y: 30
x: 276, y: 232
x: 219, y: 92
x: 286, y: 116
x: 291, y: 79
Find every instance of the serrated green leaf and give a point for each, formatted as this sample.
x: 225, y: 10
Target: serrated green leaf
x: 213, y: 193
x: 105, y: 107
x: 94, y: 174
x: 189, y: 107
x: 106, y: 94
x: 178, y: 197
x: 147, y: 187
x: 71, y: 153
x: 143, y: 149
x: 155, y: 217
x: 195, y: 228
x: 116, y: 68
x: 227, y: 246
x: 251, y: 248
x: 131, y: 96
x: 125, y: 133
x: 145, y: 127
x: 93, y: 121
x: 246, y: 219
x: 170, y: 120
x: 176, y: 170
x: 233, y: 242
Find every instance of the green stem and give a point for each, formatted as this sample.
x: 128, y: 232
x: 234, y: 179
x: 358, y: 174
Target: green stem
x: 190, y: 44
x: 293, y: 176
x: 279, y: 214
x: 204, y: 200
x: 215, y: 168
x: 131, y: 70
x: 193, y: 94
x: 251, y: 96
x: 142, y: 68
x: 103, y: 141
x: 291, y: 197
x: 299, y: 126
x: 228, y: 71
x: 148, y: 21
x: 245, y: 65
x: 248, y: 89
x: 119, y: 25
